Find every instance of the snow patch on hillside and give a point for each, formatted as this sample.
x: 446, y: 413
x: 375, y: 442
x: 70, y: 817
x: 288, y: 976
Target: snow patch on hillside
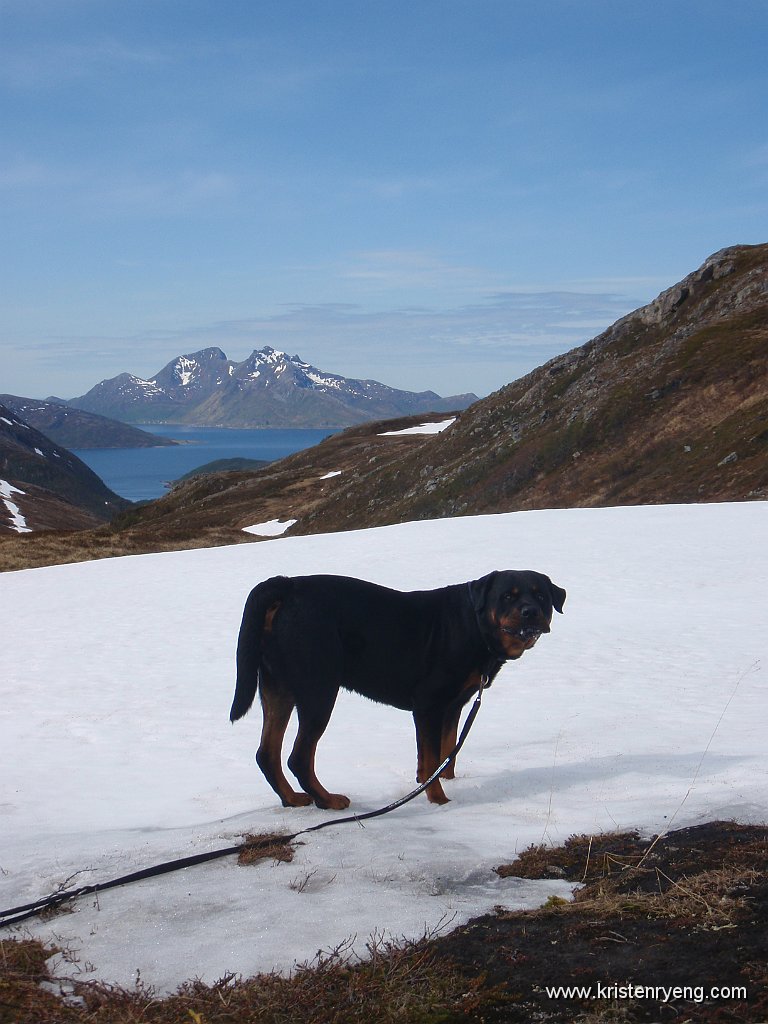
x: 422, y: 428
x: 149, y: 387
x: 186, y: 370
x: 272, y: 528
x: 18, y: 522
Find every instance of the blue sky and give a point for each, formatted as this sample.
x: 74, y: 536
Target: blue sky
x: 433, y: 193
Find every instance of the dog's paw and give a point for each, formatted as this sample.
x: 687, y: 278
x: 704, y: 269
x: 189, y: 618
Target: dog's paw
x: 333, y: 802
x: 297, y: 800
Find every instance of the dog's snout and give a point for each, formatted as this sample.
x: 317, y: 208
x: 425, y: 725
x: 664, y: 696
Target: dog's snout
x: 529, y: 612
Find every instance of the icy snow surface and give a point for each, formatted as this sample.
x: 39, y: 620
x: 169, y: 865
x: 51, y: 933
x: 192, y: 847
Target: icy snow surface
x: 644, y: 708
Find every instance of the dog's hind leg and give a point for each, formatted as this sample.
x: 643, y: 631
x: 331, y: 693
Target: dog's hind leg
x: 313, y: 720
x: 277, y: 707
x: 429, y: 738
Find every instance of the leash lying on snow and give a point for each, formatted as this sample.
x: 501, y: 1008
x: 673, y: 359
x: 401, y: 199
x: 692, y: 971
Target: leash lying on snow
x: 15, y: 915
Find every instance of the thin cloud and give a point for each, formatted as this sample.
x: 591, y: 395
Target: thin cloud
x: 477, y: 347
x: 395, y: 269
x: 97, y: 193
x: 47, y: 65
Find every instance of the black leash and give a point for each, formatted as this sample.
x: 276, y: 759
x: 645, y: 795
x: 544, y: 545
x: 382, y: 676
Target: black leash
x: 15, y: 915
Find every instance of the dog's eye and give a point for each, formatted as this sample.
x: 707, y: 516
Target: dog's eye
x: 507, y: 597
x: 539, y: 597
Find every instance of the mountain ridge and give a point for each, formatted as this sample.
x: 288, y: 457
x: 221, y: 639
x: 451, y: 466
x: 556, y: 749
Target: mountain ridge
x: 75, y: 428
x: 268, y: 389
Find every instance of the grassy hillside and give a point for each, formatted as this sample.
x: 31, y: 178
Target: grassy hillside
x: 668, y: 405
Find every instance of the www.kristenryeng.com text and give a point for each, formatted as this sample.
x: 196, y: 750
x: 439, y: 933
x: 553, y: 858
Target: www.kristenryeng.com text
x: 656, y: 993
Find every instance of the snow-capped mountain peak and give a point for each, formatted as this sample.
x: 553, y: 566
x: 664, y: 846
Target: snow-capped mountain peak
x: 268, y: 388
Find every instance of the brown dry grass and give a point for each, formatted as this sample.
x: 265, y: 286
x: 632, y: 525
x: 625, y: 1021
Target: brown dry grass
x: 622, y: 874
x: 32, y: 551
x: 263, y: 846
x: 399, y: 983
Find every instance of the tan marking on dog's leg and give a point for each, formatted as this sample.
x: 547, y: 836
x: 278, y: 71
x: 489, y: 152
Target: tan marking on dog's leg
x: 302, y: 764
x: 277, y: 710
x: 451, y: 719
x: 428, y: 733
x: 420, y: 776
x: 448, y: 742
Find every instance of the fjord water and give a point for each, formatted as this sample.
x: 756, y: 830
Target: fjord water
x: 143, y: 473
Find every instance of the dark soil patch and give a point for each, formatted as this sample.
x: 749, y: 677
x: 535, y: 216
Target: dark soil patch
x: 687, y: 914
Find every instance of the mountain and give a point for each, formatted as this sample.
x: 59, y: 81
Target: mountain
x: 74, y: 428
x: 45, y: 487
x: 670, y: 404
x: 268, y: 389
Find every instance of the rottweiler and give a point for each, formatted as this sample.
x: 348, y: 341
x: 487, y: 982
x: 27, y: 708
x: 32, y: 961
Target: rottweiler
x: 424, y: 651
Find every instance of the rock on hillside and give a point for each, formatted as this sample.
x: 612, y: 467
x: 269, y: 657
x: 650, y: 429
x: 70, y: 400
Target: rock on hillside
x: 46, y: 487
x: 74, y: 428
x: 268, y: 389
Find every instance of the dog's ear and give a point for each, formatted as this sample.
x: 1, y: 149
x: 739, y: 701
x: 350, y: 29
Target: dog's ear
x: 558, y: 596
x: 478, y: 591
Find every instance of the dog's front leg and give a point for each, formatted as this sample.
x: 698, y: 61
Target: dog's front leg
x: 449, y: 739
x: 314, y: 714
x: 429, y: 735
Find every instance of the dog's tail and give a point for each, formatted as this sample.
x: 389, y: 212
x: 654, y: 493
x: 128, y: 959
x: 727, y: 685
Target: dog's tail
x: 260, y: 608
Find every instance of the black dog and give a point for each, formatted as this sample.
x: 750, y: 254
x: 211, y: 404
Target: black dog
x: 426, y: 652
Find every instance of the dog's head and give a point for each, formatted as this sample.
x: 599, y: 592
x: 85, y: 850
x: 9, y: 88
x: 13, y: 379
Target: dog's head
x: 514, y: 608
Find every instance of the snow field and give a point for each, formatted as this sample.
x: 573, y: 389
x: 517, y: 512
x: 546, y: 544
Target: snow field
x: 645, y: 707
